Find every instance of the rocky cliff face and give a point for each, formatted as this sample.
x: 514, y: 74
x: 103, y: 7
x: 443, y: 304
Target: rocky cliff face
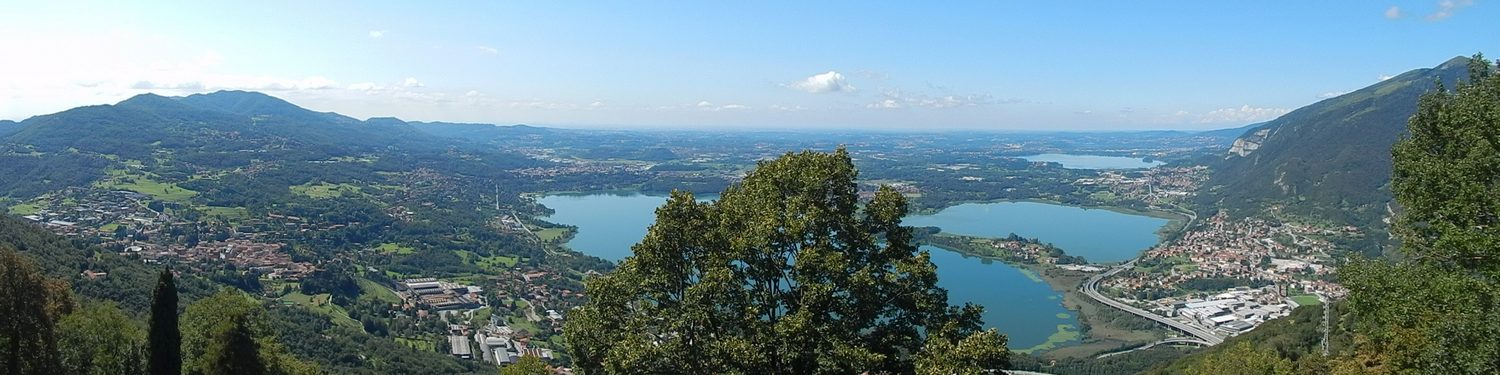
x: 1247, y: 144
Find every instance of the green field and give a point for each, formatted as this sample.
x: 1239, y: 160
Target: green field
x: 550, y: 234
x: 226, y: 212
x: 325, y: 190
x: 391, y: 248
x: 1307, y: 300
x: 418, y: 344
x: 481, y: 317
x: 125, y: 180
x: 320, y: 303
x: 24, y: 209
x: 374, y: 290
x: 121, y: 180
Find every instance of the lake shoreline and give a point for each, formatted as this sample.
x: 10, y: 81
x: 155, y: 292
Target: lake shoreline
x: 1093, y: 336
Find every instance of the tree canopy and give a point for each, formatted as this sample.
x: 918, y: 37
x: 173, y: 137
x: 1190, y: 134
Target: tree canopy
x: 785, y: 273
x: 1435, y: 311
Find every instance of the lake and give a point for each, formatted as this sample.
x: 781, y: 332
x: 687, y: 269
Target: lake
x: 1093, y: 161
x: 1098, y: 235
x: 1017, y: 302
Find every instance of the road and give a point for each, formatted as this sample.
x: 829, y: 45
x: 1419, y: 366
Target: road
x: 1173, y: 340
x: 1091, y: 289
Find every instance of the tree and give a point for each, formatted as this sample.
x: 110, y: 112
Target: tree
x: 1434, y: 311
x: 32, y: 305
x: 1242, y: 359
x: 234, y: 350
x: 98, y: 340
x: 527, y: 365
x: 216, y: 328
x: 164, y: 343
x: 783, y: 274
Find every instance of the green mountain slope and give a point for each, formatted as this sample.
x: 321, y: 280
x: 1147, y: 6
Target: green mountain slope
x: 8, y: 126
x: 218, y: 131
x: 1329, y: 160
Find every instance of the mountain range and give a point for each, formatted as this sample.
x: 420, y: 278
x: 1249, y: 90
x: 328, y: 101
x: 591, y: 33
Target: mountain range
x: 1330, y: 160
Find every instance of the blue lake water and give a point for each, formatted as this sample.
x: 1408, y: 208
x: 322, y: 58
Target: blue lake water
x: 1093, y: 161
x: 1098, y: 235
x: 1022, y: 306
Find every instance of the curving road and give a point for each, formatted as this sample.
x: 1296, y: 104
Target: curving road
x: 1173, y: 340
x: 1091, y: 289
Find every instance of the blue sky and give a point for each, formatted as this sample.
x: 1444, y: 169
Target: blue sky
x: 751, y: 65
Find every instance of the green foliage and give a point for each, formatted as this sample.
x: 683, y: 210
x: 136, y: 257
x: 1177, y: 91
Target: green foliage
x: 783, y: 274
x: 527, y: 365
x: 215, y: 330
x: 100, y: 340
x: 1328, y: 160
x: 974, y: 354
x: 1447, y: 177
x: 32, y: 305
x: 164, y: 348
x: 1435, y: 311
x: 1241, y: 359
x: 233, y: 350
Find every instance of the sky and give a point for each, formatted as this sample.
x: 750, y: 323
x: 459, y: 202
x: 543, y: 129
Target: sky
x: 988, y: 65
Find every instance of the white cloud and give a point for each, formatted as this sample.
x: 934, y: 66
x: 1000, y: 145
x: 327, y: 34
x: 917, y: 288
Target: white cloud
x: 1331, y: 94
x: 898, y: 99
x: 1446, y: 8
x: 473, y: 94
x: 1383, y: 77
x: 366, y: 86
x: 885, y: 104
x: 1244, y: 114
x: 830, y: 81
x: 377, y: 34
x: 217, y: 82
x: 488, y: 50
x: 148, y: 85
x: 411, y: 82
x: 1393, y: 13
x: 710, y: 106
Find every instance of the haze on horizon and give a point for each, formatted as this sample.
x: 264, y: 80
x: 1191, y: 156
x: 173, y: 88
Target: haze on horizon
x: 782, y: 65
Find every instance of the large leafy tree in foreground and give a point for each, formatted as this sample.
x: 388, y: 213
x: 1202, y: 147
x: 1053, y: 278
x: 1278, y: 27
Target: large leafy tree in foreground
x: 784, y: 274
x: 30, y: 306
x: 1438, y: 310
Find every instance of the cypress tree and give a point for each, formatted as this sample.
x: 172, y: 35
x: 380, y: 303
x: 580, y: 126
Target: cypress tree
x: 165, y: 340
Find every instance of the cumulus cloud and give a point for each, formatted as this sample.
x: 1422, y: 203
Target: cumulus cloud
x: 411, y: 82
x: 1243, y: 114
x: 1394, y: 12
x: 1446, y: 8
x: 1383, y: 77
x: 488, y: 50
x: 830, y: 81
x: 377, y: 34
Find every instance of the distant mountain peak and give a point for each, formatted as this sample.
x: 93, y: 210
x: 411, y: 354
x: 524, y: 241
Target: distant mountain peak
x: 1455, y: 62
x: 1330, y: 159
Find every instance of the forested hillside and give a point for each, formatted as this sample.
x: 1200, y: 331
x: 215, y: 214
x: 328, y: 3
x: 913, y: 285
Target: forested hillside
x: 1329, y: 160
